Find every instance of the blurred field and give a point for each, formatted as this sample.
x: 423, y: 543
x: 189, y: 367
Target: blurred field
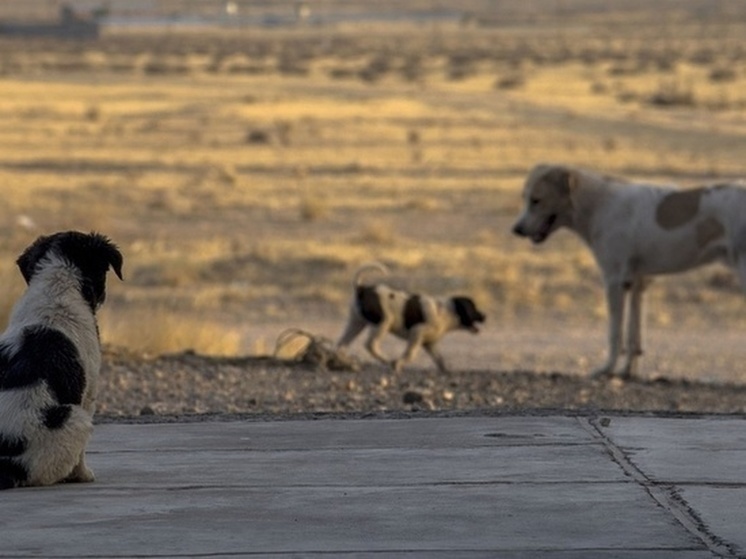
x: 246, y: 173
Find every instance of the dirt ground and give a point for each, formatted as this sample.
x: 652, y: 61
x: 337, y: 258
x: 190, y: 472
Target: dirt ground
x: 512, y: 370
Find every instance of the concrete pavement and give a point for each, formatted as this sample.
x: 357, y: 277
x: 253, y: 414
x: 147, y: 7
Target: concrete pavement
x: 517, y: 486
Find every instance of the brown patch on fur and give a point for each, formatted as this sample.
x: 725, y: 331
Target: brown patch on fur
x: 678, y: 208
x: 709, y: 230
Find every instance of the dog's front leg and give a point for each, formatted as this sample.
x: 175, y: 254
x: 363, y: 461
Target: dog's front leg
x: 634, y: 327
x: 414, y: 343
x: 437, y: 357
x: 615, y: 295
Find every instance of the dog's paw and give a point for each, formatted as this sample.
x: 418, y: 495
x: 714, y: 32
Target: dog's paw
x: 81, y: 475
x: 396, y: 365
x: 602, y: 373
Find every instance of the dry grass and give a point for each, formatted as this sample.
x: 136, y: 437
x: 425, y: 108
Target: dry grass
x: 242, y: 191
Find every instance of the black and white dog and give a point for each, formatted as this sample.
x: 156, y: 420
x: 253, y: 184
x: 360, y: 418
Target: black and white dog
x: 419, y: 319
x: 49, y: 360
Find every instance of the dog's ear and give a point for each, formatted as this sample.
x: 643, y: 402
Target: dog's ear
x: 30, y: 257
x: 467, y: 312
x: 108, y: 252
x: 566, y: 180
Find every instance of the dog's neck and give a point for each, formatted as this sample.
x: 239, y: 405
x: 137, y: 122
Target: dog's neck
x: 54, y: 299
x: 585, y: 207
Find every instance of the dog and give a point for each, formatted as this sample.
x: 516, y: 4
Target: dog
x: 635, y: 231
x: 419, y: 319
x: 50, y: 357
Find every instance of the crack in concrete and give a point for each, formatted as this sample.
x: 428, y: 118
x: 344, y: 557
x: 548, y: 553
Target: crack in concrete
x: 666, y: 495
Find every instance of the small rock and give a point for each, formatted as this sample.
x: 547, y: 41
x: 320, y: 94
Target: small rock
x: 412, y: 397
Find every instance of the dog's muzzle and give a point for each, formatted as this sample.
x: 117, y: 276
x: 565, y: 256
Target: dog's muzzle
x: 541, y: 234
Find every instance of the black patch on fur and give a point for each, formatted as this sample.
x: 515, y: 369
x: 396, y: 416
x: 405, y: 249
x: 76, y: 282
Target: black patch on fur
x: 12, y: 446
x: 413, y: 313
x: 467, y: 311
x: 45, y: 355
x: 56, y: 416
x: 369, y: 304
x: 11, y: 473
x: 92, y: 254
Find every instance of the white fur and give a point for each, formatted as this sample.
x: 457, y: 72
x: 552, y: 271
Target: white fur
x: 53, y: 300
x: 622, y: 224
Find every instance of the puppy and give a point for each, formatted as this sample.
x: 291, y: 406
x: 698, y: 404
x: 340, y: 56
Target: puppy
x: 49, y: 360
x: 635, y: 231
x: 421, y: 320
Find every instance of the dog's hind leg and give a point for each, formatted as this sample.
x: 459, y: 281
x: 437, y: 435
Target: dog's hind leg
x: 633, y: 340
x: 354, y: 326
x: 60, y: 447
x: 414, y: 343
x: 615, y: 297
x: 373, y: 344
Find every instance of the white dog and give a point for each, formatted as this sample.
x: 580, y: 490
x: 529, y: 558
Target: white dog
x: 49, y: 360
x: 421, y: 320
x: 635, y: 231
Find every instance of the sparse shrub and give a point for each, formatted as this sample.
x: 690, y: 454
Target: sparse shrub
x: 510, y: 81
x: 673, y: 94
x: 292, y: 64
x: 313, y: 209
x: 599, y: 88
x: 258, y: 137
x: 461, y: 66
x: 92, y: 113
x: 722, y: 74
x: 703, y: 56
x: 342, y: 73
x: 377, y: 68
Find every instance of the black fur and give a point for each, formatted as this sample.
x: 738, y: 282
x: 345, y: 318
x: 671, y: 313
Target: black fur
x: 11, y: 473
x: 12, y: 446
x: 56, y: 416
x: 467, y: 312
x: 369, y: 304
x: 45, y: 355
x: 413, y: 313
x: 92, y: 254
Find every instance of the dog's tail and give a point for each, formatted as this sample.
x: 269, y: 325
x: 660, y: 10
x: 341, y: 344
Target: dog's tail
x: 365, y: 268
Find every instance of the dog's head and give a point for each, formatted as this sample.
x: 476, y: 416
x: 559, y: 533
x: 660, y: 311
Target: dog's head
x: 91, y: 254
x: 547, y: 197
x: 468, y: 314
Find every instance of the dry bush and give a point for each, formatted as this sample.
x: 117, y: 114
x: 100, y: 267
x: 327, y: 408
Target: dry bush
x: 673, y: 93
x: 313, y: 208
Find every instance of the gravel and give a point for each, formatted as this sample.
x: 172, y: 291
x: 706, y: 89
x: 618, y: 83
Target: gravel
x: 188, y: 384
